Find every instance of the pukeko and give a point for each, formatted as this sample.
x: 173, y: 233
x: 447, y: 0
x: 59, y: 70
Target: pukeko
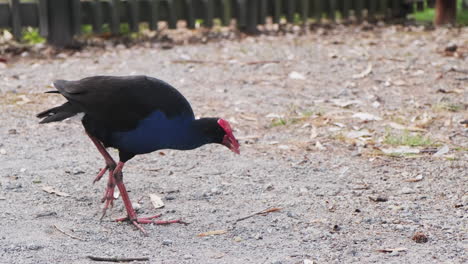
x: 135, y: 115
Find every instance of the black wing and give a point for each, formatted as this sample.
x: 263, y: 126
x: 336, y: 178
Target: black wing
x: 119, y: 103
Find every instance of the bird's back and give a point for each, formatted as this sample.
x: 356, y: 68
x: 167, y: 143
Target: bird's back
x: 119, y: 103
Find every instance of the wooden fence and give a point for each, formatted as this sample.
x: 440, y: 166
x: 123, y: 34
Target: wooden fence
x: 60, y: 20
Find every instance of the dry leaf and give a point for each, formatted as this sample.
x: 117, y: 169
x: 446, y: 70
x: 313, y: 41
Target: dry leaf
x: 24, y: 100
x: 156, y: 201
x: 52, y: 190
x: 400, y: 150
x: 358, y: 134
x: 416, y: 179
x: 248, y: 118
x: 399, y: 83
x: 313, y: 132
x: 212, y: 233
x: 319, y: 145
x: 345, y: 103
x: 442, y: 151
x: 367, y: 117
x: 363, y: 74
x: 409, y: 128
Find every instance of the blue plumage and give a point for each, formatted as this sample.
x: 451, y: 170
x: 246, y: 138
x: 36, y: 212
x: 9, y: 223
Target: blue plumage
x: 157, y: 131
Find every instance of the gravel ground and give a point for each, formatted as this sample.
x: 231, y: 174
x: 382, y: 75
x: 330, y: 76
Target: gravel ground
x: 356, y: 135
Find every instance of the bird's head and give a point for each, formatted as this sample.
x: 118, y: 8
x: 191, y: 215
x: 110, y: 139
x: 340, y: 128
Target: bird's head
x: 217, y: 130
x: 228, y: 137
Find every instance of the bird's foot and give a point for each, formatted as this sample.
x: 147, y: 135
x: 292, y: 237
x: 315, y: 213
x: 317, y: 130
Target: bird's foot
x: 108, y: 198
x: 149, y: 220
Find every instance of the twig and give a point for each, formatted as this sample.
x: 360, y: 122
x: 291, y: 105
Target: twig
x: 263, y: 62
x: 70, y: 235
x: 196, y: 61
x: 264, y: 212
x: 117, y: 259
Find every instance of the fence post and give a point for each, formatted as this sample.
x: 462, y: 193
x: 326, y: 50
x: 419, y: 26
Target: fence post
x: 60, y: 23
x: 15, y: 18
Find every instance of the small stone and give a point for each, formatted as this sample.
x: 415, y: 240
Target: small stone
x: 237, y: 239
x: 187, y: 256
x: 136, y: 206
x: 3, y: 151
x: 12, y: 131
x: 167, y: 242
x: 291, y: 214
x: 406, y: 190
x: 34, y: 247
x: 258, y: 236
x: 399, y: 227
x: 452, y: 47
x: 420, y: 237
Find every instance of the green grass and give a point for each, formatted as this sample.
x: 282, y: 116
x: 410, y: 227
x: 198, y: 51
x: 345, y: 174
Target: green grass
x: 278, y: 122
x: 407, y: 139
x: 428, y: 15
x: 31, y: 36
x: 448, y: 106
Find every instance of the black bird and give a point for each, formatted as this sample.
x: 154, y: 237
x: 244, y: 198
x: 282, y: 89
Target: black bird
x: 136, y: 115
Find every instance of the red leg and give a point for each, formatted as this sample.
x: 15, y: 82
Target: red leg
x: 131, y: 214
x: 110, y: 165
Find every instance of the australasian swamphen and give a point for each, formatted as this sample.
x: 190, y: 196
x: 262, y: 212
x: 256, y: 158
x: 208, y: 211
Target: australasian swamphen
x: 136, y: 115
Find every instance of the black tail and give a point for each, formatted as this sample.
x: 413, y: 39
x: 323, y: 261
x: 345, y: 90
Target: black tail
x: 59, y: 113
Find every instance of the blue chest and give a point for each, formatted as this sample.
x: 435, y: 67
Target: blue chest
x: 157, y: 132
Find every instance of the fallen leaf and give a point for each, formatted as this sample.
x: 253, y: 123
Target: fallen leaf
x: 313, y: 132
x: 363, y: 74
x: 345, y: 103
x: 399, y: 83
x: 400, y: 150
x: 319, y: 146
x: 358, y: 134
x: 339, y: 124
x: 442, y: 151
x: 248, y: 118
x: 156, y: 201
x: 409, y: 128
x: 212, y: 233
x: 416, y: 179
x: 367, y: 117
x: 390, y: 250
x: 52, y: 190
x: 296, y: 76
x: 24, y: 100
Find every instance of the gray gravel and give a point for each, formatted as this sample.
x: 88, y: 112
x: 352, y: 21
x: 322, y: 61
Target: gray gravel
x: 341, y: 200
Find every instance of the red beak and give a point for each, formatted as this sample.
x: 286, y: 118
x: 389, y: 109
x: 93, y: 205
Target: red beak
x: 231, y: 142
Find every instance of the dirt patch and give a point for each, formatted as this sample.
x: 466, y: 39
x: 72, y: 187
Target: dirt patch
x: 356, y: 136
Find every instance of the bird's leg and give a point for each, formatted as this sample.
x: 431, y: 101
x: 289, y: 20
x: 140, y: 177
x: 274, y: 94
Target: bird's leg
x: 131, y: 214
x: 110, y: 165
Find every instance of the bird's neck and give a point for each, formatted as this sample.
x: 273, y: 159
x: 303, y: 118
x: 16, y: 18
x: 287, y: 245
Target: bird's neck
x: 196, y: 135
